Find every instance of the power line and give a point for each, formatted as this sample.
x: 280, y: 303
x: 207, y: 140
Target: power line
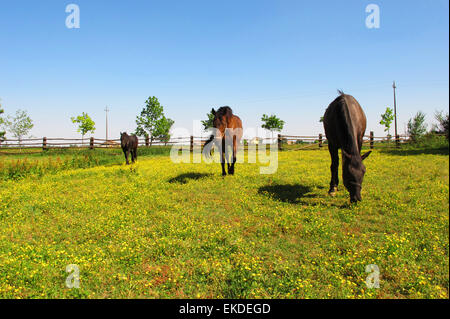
x: 395, y: 109
x: 106, y: 111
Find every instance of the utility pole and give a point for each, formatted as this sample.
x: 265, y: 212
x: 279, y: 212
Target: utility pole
x: 106, y: 110
x: 395, y: 114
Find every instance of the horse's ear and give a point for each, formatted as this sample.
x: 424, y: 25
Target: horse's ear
x: 363, y: 157
x: 213, y: 111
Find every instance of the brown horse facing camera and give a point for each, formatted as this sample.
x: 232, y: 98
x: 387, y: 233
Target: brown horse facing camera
x: 129, y: 145
x: 228, y: 131
x: 345, y: 124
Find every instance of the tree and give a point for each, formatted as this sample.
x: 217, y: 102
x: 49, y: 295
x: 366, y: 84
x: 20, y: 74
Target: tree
x: 152, y: 122
x: 272, y: 123
x: 19, y: 125
x: 209, y: 122
x: 386, y: 120
x: 2, y: 122
x: 442, y: 127
x: 85, y: 124
x: 163, y: 126
x: 417, y: 126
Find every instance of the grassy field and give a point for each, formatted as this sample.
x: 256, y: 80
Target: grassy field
x: 163, y: 230
x: 19, y: 163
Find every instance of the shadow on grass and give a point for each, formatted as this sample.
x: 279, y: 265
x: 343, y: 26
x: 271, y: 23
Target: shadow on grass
x: 184, y: 178
x: 290, y: 193
x: 303, y: 195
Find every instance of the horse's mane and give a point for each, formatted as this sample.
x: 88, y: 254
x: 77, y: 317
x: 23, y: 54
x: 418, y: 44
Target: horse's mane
x: 224, y: 111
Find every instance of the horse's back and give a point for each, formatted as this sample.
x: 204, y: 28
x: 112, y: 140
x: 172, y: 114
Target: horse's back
x: 237, y: 121
x: 135, y: 141
x: 357, y: 116
x: 342, y: 115
x: 129, y: 142
x: 236, y: 124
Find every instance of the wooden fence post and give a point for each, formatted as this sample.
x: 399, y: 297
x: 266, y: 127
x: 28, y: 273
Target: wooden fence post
x: 320, y: 140
x: 397, y: 141
x: 147, y: 141
x: 91, y: 143
x: 191, y: 147
x: 371, y: 139
x: 279, y: 142
x: 44, y: 143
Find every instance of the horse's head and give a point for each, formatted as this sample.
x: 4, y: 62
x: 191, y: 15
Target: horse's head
x: 221, y: 118
x: 353, y: 171
x: 219, y: 123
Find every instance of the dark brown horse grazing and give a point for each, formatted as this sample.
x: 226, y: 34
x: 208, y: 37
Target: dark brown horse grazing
x: 228, y: 132
x: 129, y: 145
x: 345, y: 124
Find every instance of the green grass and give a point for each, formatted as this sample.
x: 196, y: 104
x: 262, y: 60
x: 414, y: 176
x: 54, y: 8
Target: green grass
x: 20, y: 163
x: 163, y: 230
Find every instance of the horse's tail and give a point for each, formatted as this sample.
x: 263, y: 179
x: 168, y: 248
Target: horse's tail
x: 208, y: 147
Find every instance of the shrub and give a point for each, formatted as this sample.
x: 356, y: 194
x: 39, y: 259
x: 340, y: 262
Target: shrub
x: 417, y: 127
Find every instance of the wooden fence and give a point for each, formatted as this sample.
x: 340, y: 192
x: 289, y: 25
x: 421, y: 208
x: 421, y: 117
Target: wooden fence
x: 91, y: 143
x: 285, y: 142
x: 318, y: 141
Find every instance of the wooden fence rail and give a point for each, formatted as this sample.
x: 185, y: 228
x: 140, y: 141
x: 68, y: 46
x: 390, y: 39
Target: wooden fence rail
x: 319, y: 140
x: 306, y: 142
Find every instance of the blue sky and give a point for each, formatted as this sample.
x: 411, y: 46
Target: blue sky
x: 281, y: 57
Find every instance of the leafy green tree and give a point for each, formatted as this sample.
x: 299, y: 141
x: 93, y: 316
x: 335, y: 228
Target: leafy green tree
x: 272, y: 123
x: 163, y: 126
x: 19, y: 125
x: 417, y: 126
x: 443, y: 123
x: 152, y: 122
x: 209, y: 122
x: 85, y: 124
x: 386, y: 120
x: 2, y: 121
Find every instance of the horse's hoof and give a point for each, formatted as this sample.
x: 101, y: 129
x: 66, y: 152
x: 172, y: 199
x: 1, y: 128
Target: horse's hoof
x: 332, y: 192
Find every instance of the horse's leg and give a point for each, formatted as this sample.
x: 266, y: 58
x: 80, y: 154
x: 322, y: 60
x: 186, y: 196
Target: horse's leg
x: 222, y: 158
x: 234, y: 156
x: 334, y: 169
x: 132, y: 155
x: 227, y: 156
x: 135, y: 154
x: 127, y: 153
